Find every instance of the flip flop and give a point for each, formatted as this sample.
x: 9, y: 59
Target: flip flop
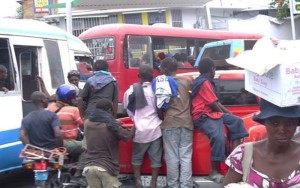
x: 217, y: 178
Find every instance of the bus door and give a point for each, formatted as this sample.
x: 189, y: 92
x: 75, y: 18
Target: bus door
x: 11, y: 108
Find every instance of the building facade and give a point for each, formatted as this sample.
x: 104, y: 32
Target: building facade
x: 241, y: 18
x: 31, y: 9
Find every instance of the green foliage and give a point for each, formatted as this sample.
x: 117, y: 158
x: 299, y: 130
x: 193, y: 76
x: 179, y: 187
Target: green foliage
x: 20, y: 11
x: 282, y: 7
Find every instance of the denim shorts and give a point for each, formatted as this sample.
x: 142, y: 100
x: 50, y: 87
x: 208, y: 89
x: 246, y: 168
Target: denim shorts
x: 154, y: 150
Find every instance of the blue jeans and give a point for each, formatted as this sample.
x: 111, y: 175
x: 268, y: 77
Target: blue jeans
x: 178, y: 156
x: 213, y: 128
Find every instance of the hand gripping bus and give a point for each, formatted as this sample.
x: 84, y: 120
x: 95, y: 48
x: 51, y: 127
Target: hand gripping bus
x: 29, y: 49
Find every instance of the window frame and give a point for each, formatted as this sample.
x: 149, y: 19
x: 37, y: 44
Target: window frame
x: 148, y: 51
x: 11, y: 70
x: 93, y: 48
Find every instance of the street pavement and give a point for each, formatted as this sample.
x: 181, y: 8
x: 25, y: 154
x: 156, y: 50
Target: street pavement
x: 20, y: 178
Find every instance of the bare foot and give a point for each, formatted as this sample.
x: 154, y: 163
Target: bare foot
x: 153, y: 184
x: 138, y: 184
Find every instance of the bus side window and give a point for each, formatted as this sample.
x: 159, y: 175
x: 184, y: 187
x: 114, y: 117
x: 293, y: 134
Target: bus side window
x: 218, y: 54
x: 232, y: 92
x: 28, y: 66
x: 247, y: 98
x: 139, y: 50
x: 102, y: 48
x: 55, y: 64
x: 179, y: 48
x: 7, y: 73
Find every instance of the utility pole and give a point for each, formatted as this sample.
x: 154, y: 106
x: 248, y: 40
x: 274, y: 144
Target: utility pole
x: 69, y: 16
x: 291, y: 2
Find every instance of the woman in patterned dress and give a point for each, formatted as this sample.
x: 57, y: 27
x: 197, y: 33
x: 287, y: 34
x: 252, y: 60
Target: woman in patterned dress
x: 275, y: 160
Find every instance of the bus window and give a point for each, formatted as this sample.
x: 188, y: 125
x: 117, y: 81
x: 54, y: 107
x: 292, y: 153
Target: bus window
x: 179, y: 48
x: 54, y: 60
x: 28, y: 66
x: 232, y: 92
x: 169, y: 45
x: 219, y: 51
x: 218, y: 54
x: 102, y: 48
x: 139, y: 51
x: 7, y: 78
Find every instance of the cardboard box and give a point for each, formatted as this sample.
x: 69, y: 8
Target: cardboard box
x: 280, y: 85
x: 272, y: 71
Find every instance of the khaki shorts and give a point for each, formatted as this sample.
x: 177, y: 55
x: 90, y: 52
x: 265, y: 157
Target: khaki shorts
x: 154, y: 150
x: 99, y: 178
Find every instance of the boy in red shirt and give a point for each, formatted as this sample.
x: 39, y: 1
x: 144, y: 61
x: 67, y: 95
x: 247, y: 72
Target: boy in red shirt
x: 209, y: 116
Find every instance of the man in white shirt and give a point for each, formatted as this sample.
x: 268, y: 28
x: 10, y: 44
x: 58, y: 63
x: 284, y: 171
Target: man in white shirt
x: 139, y: 100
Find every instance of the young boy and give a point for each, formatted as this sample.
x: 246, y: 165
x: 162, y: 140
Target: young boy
x: 210, y: 115
x: 103, y: 133
x: 177, y: 127
x: 100, y: 86
x: 139, y: 100
x: 41, y: 127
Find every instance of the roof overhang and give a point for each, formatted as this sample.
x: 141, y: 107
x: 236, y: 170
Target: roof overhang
x: 108, y: 4
x: 104, y: 13
x: 123, y: 4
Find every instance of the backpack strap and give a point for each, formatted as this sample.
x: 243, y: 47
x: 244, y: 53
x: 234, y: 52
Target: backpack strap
x: 56, y: 111
x: 246, y: 162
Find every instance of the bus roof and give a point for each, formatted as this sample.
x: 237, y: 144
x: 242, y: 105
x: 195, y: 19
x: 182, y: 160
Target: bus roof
x: 39, y: 29
x: 124, y: 29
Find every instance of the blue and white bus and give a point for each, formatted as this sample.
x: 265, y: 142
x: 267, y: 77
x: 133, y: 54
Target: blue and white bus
x: 28, y: 49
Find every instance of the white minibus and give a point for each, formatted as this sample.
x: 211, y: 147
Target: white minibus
x: 30, y: 48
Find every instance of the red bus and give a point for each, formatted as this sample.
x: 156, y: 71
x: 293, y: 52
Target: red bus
x: 126, y: 46
x: 123, y: 46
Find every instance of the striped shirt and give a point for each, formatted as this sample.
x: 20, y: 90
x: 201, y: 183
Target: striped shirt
x: 69, y: 118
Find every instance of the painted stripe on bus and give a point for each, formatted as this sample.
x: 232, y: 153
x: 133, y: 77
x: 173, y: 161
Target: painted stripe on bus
x: 9, y: 157
x: 10, y: 144
x: 9, y: 136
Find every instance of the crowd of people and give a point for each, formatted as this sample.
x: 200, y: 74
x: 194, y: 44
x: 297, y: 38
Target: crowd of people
x: 165, y: 110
